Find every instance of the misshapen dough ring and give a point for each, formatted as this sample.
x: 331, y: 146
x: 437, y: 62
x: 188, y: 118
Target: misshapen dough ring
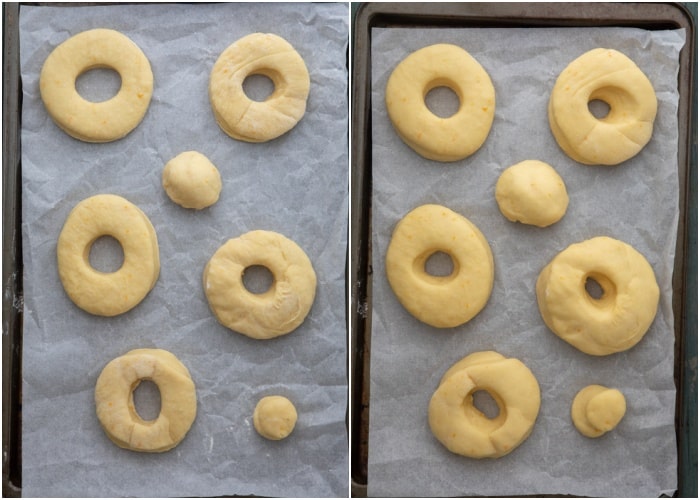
x: 433, y: 137
x: 259, y: 54
x: 462, y: 428
x: 107, y: 294
x: 279, y: 310
x: 274, y: 417
x: 597, y: 410
x: 96, y: 121
x: 609, y: 76
x: 114, y: 400
x: 620, y: 317
x: 440, y: 301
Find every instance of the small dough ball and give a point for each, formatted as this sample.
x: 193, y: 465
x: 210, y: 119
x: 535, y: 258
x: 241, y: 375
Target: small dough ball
x: 191, y: 180
x: 532, y: 192
x: 274, y: 417
x: 597, y: 409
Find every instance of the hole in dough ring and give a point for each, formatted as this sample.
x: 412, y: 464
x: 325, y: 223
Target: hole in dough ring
x: 462, y: 428
x: 99, y: 293
x: 259, y: 54
x: 96, y: 121
x: 115, y: 405
x: 440, y: 301
x: 620, y: 317
x: 279, y: 310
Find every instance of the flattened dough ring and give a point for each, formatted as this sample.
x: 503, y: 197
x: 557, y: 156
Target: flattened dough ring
x: 279, y: 310
x: 440, y: 301
x: 462, y: 428
x: 433, y: 137
x: 99, y: 293
x: 599, y: 326
x: 96, y: 121
x: 259, y: 54
x: 114, y: 400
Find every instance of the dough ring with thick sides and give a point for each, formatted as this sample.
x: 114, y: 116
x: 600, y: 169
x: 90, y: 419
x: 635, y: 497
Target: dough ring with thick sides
x: 277, y: 311
x: 440, y: 301
x: 100, y: 293
x: 464, y: 429
x: 259, y: 54
x: 114, y: 400
x: 96, y: 121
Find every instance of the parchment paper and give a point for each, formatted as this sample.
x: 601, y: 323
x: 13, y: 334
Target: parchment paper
x: 636, y: 202
x: 296, y: 185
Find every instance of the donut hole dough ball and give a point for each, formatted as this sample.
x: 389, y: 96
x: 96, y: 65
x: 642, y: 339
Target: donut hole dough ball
x: 274, y: 417
x: 96, y: 121
x: 442, y: 139
x: 613, y: 320
x: 609, y: 76
x: 597, y: 410
x: 441, y: 301
x: 191, y: 180
x: 259, y: 54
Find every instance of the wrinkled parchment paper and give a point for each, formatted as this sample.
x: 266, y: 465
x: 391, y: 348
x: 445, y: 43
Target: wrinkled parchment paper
x: 636, y: 202
x: 295, y: 185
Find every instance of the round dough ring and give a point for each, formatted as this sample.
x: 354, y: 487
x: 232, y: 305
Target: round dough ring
x: 440, y: 301
x: 433, y: 137
x: 279, y: 310
x: 96, y: 121
x: 114, y: 400
x: 259, y: 54
x: 99, y: 293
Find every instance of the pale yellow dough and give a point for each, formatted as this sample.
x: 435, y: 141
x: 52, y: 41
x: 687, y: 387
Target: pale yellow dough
x: 597, y: 410
x: 440, y: 301
x: 114, y: 400
x: 279, y: 310
x: 96, y: 121
x: 274, y: 417
x: 609, y: 76
x: 99, y: 293
x: 259, y: 54
x: 191, y: 180
x: 599, y: 326
x: 464, y: 429
x: 433, y: 137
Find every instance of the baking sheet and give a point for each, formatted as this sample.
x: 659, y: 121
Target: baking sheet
x: 296, y: 185
x: 636, y: 202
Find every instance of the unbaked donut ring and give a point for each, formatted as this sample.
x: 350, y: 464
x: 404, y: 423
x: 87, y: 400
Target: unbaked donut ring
x: 96, y: 121
x: 464, y: 429
x: 618, y: 319
x: 433, y: 137
x: 114, y: 400
x: 279, y: 310
x: 259, y: 54
x: 99, y: 293
x: 440, y: 301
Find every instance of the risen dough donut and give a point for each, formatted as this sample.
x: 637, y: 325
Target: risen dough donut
x: 620, y: 317
x: 114, y: 399
x: 259, y: 54
x: 275, y: 312
x: 462, y: 428
x: 96, y: 121
x: 191, y: 180
x: 274, y: 417
x: 440, y: 301
x: 609, y: 76
x: 107, y: 294
x: 435, y: 138
x: 597, y: 410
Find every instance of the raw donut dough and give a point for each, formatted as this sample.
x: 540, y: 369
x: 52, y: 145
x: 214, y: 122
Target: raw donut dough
x: 107, y: 294
x: 440, y: 301
x: 274, y: 417
x: 191, y: 180
x: 597, y: 410
x: 114, y: 399
x: 433, y: 137
x: 96, y: 121
x: 532, y: 192
x: 259, y: 54
x: 462, y: 428
x: 275, y: 312
x: 609, y: 76
x: 620, y: 317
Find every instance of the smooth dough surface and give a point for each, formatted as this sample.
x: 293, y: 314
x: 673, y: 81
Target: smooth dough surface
x: 597, y: 409
x: 191, y: 180
x: 274, y: 417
